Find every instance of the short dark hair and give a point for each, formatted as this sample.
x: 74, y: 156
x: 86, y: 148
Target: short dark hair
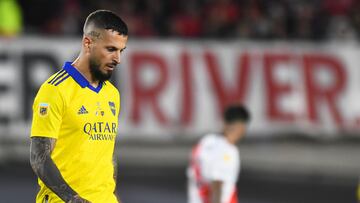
x: 235, y: 113
x: 105, y: 19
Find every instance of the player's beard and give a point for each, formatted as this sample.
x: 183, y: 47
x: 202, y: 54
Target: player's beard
x: 96, y: 72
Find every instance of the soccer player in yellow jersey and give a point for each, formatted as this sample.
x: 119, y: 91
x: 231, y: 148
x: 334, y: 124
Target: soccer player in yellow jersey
x: 75, y: 119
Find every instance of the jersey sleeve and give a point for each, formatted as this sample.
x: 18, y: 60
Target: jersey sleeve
x: 48, y: 111
x: 222, y: 165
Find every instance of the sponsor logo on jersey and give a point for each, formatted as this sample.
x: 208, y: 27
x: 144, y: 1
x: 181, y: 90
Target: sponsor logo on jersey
x: 82, y: 110
x: 101, y: 131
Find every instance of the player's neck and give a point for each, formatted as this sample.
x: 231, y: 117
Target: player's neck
x: 83, y: 67
x: 229, y: 139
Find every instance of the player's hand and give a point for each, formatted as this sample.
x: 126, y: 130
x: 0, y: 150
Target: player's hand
x: 78, y: 199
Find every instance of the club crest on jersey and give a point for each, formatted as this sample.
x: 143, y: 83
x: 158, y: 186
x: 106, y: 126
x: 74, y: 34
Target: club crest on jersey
x: 44, y: 109
x: 227, y: 157
x: 112, y: 107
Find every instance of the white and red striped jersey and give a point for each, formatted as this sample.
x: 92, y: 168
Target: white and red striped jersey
x: 213, y: 159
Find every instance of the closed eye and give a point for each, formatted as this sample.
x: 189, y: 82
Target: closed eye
x: 111, y: 49
x: 122, y: 49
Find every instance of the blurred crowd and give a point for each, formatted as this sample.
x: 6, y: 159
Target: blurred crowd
x: 222, y: 19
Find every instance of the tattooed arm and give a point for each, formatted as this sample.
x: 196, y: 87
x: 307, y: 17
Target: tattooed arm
x: 115, y: 173
x: 46, y: 170
x: 115, y: 168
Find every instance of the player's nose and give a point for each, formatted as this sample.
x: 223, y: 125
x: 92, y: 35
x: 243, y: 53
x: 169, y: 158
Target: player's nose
x: 116, y: 57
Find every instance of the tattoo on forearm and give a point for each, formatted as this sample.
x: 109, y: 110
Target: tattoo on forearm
x: 115, y: 164
x: 78, y: 199
x: 115, y: 167
x: 46, y: 170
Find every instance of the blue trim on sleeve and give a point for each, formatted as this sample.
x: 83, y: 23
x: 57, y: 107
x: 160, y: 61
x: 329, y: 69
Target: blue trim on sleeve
x: 79, y: 78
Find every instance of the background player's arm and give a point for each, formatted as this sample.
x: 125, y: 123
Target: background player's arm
x: 216, y: 191
x: 46, y: 170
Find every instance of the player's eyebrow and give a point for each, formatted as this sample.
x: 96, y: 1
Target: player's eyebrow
x: 122, y: 49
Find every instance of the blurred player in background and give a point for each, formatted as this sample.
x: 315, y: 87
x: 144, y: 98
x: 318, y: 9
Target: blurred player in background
x: 75, y: 119
x: 215, y: 161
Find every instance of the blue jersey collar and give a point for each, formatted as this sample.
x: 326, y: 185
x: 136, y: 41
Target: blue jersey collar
x: 79, y: 78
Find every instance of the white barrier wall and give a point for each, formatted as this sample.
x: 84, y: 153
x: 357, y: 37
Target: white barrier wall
x: 180, y: 88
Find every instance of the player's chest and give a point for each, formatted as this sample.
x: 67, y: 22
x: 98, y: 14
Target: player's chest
x: 93, y: 109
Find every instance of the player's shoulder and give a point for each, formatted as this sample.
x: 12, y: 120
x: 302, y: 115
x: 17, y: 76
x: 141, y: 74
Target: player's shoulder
x: 217, y: 142
x: 209, y: 139
x: 54, y: 83
x: 58, y: 79
x: 111, y: 88
x: 110, y: 85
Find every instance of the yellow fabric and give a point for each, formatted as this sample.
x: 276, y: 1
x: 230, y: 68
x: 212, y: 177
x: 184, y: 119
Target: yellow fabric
x: 84, y: 124
x: 10, y: 17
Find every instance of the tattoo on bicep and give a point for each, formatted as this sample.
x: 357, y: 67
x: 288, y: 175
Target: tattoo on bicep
x: 40, y: 150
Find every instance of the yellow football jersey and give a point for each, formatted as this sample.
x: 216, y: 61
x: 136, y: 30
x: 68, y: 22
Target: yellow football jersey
x: 84, y: 120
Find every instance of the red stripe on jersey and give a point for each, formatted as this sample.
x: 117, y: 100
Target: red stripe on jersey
x: 203, y: 188
x: 234, y: 198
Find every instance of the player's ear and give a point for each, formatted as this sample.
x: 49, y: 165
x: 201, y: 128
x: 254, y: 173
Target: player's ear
x: 86, y: 43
